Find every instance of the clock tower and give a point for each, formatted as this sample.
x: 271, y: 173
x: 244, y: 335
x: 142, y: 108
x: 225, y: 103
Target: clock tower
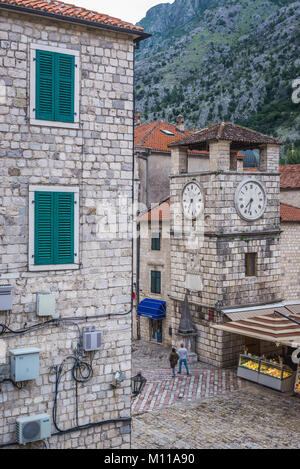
x: 225, y: 233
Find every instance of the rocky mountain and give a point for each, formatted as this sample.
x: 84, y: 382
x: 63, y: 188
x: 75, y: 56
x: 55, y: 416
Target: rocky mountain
x: 213, y: 60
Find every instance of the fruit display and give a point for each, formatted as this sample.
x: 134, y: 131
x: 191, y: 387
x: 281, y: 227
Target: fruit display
x: 275, y: 372
x: 267, y: 368
x: 297, y: 383
x: 251, y: 365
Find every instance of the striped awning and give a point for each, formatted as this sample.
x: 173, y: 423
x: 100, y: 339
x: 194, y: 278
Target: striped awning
x: 282, y: 326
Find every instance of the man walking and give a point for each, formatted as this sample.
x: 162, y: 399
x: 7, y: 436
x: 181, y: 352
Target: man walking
x: 183, y: 357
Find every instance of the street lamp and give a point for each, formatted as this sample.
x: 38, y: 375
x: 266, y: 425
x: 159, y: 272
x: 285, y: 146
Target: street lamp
x: 138, y: 384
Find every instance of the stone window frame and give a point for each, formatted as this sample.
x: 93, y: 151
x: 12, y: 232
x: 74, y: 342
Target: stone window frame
x: 44, y: 268
x: 32, y: 98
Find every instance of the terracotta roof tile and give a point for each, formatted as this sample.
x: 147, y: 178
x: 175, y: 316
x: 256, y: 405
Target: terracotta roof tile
x: 151, y: 135
x: 289, y: 213
x: 290, y: 176
x: 71, y: 11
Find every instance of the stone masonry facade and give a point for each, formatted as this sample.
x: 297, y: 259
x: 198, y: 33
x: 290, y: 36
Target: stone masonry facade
x: 225, y: 239
x: 96, y: 158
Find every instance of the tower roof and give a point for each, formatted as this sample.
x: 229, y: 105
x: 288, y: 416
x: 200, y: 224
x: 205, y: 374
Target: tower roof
x: 240, y: 137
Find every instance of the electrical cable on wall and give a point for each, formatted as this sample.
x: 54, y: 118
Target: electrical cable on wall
x: 4, y: 329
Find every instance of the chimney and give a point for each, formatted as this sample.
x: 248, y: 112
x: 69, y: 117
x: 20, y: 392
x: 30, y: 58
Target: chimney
x: 180, y: 123
x: 137, y: 118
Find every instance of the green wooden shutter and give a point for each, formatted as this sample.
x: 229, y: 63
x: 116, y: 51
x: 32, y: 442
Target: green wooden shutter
x: 64, y: 87
x: 155, y: 282
x: 152, y: 281
x: 45, y: 72
x: 54, y: 228
x: 158, y: 282
x: 64, y: 228
x: 44, y: 224
x: 156, y: 242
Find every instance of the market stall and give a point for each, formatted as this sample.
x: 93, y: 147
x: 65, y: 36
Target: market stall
x: 278, y: 324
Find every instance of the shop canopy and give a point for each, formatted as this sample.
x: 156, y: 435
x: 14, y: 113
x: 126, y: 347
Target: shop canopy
x: 153, y: 309
x: 278, y: 323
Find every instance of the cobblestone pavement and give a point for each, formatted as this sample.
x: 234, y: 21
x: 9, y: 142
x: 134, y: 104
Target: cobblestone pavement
x: 231, y: 413
x: 161, y: 390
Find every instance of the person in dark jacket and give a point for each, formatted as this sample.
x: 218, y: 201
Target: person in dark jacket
x: 173, y: 358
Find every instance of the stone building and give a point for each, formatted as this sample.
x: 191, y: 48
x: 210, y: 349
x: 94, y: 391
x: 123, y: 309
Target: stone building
x: 222, y: 257
x: 66, y: 171
x: 290, y: 185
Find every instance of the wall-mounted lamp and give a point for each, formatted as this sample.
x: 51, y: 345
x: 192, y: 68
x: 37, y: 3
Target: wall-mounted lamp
x: 119, y: 377
x: 138, y: 384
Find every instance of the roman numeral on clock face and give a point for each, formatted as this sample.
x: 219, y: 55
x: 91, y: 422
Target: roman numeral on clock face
x: 250, y: 200
x: 192, y: 200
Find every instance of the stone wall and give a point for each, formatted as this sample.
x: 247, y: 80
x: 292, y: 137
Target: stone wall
x: 225, y: 241
x: 290, y: 261
x: 96, y: 157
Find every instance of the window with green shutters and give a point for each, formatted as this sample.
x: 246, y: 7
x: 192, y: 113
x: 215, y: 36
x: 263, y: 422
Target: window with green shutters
x: 55, y: 86
x: 155, y: 246
x: 53, y: 228
x: 155, y: 282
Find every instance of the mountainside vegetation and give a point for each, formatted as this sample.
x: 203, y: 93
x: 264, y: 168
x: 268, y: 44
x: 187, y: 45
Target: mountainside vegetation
x: 213, y: 60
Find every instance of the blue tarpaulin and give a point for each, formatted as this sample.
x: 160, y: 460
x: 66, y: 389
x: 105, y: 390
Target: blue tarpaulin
x: 152, y: 309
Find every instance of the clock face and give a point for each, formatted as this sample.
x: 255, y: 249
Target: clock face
x: 250, y: 200
x: 192, y: 200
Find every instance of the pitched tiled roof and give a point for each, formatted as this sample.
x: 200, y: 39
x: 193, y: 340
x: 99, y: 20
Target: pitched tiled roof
x: 69, y: 11
x: 289, y: 213
x: 227, y: 131
x: 151, y: 135
x: 290, y: 176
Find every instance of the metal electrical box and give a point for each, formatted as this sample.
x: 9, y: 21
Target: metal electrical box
x: 91, y: 339
x: 6, y: 297
x: 45, y: 305
x: 24, y: 364
x: 33, y: 428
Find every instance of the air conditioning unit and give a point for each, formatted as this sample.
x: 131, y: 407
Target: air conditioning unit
x: 6, y: 297
x: 91, y: 339
x: 33, y: 428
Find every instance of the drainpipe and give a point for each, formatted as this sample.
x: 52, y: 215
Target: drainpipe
x: 138, y: 248
x: 145, y: 158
